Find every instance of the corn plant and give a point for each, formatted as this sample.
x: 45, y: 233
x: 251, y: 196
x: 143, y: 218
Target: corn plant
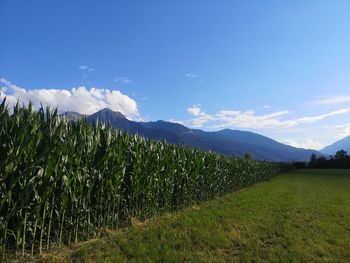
x: 62, y: 182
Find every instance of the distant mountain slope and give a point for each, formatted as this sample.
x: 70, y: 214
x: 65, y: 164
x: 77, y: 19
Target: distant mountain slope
x: 263, y: 147
x: 343, y: 144
x: 72, y: 115
x: 119, y: 121
x: 166, y: 126
x: 228, y: 142
x: 235, y: 142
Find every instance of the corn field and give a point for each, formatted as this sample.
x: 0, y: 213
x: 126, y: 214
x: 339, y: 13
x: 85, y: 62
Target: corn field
x: 62, y: 182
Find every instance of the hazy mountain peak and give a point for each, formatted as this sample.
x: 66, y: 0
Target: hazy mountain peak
x: 110, y: 113
x: 166, y: 125
x: 342, y: 144
x: 72, y: 115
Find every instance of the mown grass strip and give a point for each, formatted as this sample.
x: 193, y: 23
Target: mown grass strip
x: 301, y: 216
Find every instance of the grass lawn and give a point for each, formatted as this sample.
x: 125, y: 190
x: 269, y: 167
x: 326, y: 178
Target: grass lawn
x: 300, y: 216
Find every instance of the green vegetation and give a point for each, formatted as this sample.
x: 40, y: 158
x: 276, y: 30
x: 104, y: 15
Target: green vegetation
x: 341, y: 159
x: 62, y: 182
x: 301, y: 216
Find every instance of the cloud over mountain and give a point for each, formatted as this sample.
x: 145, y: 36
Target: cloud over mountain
x: 80, y: 99
x: 306, y: 144
x: 251, y: 120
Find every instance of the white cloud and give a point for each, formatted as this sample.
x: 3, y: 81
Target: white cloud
x: 342, y: 130
x: 306, y: 144
x: 191, y: 75
x: 195, y: 110
x: 123, y: 80
x: 333, y: 100
x: 201, y: 117
x: 83, y: 67
x: 176, y: 121
x: 250, y: 120
x: 80, y: 99
x: 267, y: 107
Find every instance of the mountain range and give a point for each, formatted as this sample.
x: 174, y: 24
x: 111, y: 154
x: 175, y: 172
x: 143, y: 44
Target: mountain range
x: 343, y: 144
x: 228, y: 142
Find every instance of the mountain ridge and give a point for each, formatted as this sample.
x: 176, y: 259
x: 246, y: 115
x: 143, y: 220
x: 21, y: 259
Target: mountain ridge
x: 342, y: 144
x: 227, y: 141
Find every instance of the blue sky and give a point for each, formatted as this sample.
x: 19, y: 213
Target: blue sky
x: 279, y: 68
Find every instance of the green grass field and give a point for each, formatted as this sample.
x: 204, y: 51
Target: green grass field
x: 300, y: 216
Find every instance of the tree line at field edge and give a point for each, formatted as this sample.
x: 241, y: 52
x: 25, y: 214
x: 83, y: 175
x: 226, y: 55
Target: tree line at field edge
x: 341, y: 160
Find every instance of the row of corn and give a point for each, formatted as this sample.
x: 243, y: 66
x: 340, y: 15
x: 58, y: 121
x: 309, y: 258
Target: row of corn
x: 61, y: 182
